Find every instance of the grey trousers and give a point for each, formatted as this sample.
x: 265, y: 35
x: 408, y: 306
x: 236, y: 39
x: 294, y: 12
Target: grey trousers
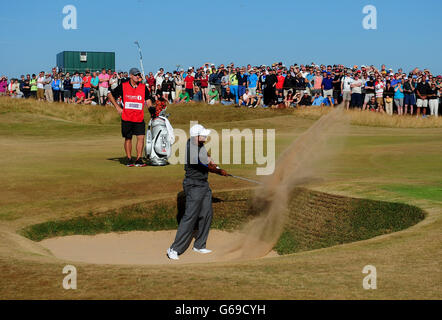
x: 198, y: 210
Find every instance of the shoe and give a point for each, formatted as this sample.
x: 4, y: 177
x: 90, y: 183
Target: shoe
x: 172, y: 254
x: 130, y: 162
x: 139, y: 163
x: 204, y: 250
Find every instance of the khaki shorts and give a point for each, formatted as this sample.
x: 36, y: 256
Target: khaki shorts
x: 103, y: 91
x: 380, y: 101
x: 40, y: 93
x: 422, y: 103
x: 346, y: 95
x: 368, y: 96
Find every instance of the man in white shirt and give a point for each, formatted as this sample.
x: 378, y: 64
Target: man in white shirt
x: 159, y: 77
x: 356, y: 91
x: 40, y: 86
x: 346, y: 89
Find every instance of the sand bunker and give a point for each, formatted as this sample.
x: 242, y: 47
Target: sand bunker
x: 137, y: 247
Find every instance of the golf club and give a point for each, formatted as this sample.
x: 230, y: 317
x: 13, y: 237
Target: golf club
x: 245, y: 179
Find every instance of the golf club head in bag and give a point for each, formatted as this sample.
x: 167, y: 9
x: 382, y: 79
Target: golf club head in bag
x: 159, y: 140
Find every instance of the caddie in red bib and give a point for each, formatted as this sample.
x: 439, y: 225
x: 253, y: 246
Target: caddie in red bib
x: 135, y: 96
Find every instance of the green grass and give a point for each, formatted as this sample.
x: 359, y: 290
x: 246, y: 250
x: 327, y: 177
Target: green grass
x: 428, y: 192
x: 337, y: 220
x: 59, y: 165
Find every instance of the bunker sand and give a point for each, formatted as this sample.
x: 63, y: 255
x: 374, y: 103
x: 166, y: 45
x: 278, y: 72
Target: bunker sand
x: 135, y: 248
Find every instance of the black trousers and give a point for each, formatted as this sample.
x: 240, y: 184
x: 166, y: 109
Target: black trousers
x: 198, y: 211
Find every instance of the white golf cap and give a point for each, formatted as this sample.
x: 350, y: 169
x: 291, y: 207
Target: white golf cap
x: 199, y: 130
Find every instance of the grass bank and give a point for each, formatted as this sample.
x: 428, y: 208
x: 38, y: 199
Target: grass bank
x: 316, y: 220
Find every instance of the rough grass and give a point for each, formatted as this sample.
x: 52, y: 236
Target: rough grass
x: 184, y: 113
x: 373, y: 119
x: 316, y: 220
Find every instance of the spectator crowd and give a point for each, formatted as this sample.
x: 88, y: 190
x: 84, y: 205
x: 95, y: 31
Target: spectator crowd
x: 417, y: 92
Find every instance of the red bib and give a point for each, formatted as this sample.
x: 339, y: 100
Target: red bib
x: 133, y: 100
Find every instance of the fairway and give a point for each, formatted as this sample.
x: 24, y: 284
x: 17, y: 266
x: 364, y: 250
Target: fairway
x: 378, y: 202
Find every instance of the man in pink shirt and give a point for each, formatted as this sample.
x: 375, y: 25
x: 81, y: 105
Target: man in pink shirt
x: 103, y: 85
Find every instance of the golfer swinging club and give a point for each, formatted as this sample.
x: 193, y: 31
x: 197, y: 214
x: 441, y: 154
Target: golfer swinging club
x: 198, y: 195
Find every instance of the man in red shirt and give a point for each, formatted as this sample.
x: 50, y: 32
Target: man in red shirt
x: 280, y: 83
x: 87, y: 84
x: 135, y: 95
x: 188, y: 80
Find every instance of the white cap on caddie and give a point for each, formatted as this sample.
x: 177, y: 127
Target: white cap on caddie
x: 199, y: 130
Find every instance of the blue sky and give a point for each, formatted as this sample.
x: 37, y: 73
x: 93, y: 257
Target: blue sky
x: 193, y: 32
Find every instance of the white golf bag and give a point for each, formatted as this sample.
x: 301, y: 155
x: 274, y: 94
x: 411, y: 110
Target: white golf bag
x: 159, y: 140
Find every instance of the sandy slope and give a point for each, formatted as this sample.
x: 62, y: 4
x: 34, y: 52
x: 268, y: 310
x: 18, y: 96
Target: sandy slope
x: 137, y: 247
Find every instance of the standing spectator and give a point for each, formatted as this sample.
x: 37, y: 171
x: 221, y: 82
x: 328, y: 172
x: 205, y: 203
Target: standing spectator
x: 87, y: 84
x: 26, y: 86
x: 204, y: 78
x: 151, y: 82
x: 252, y: 82
x: 189, y: 80
x: 356, y: 91
x: 327, y: 85
x: 388, y: 98
x: 49, y: 95
x: 56, y: 88
x: 233, y: 84
x: 242, y: 82
x: 346, y: 89
x: 41, y: 86
x: 159, y: 77
x: 280, y: 83
x: 270, y: 88
x: 337, y: 96
x: 422, y: 90
x: 179, y: 83
x: 224, y: 83
x: 379, y: 92
x: 95, y: 81
x: 369, y: 91
x: 113, y: 82
x: 409, y: 99
x: 317, y: 83
x: 213, y: 77
x: 167, y: 87
x: 103, y: 86
x: 3, y: 85
x: 67, y: 85
x: 33, y: 84
x: 433, y: 99
x: 76, y: 84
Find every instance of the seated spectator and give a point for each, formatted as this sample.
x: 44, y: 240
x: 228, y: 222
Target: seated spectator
x: 229, y: 98
x: 80, y: 97
x: 317, y: 100
x: 289, y: 98
x: 372, y: 104
x: 246, y: 99
x: 328, y: 101
x: 197, y: 96
x: 183, y: 97
x: 306, y: 100
x: 213, y: 95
